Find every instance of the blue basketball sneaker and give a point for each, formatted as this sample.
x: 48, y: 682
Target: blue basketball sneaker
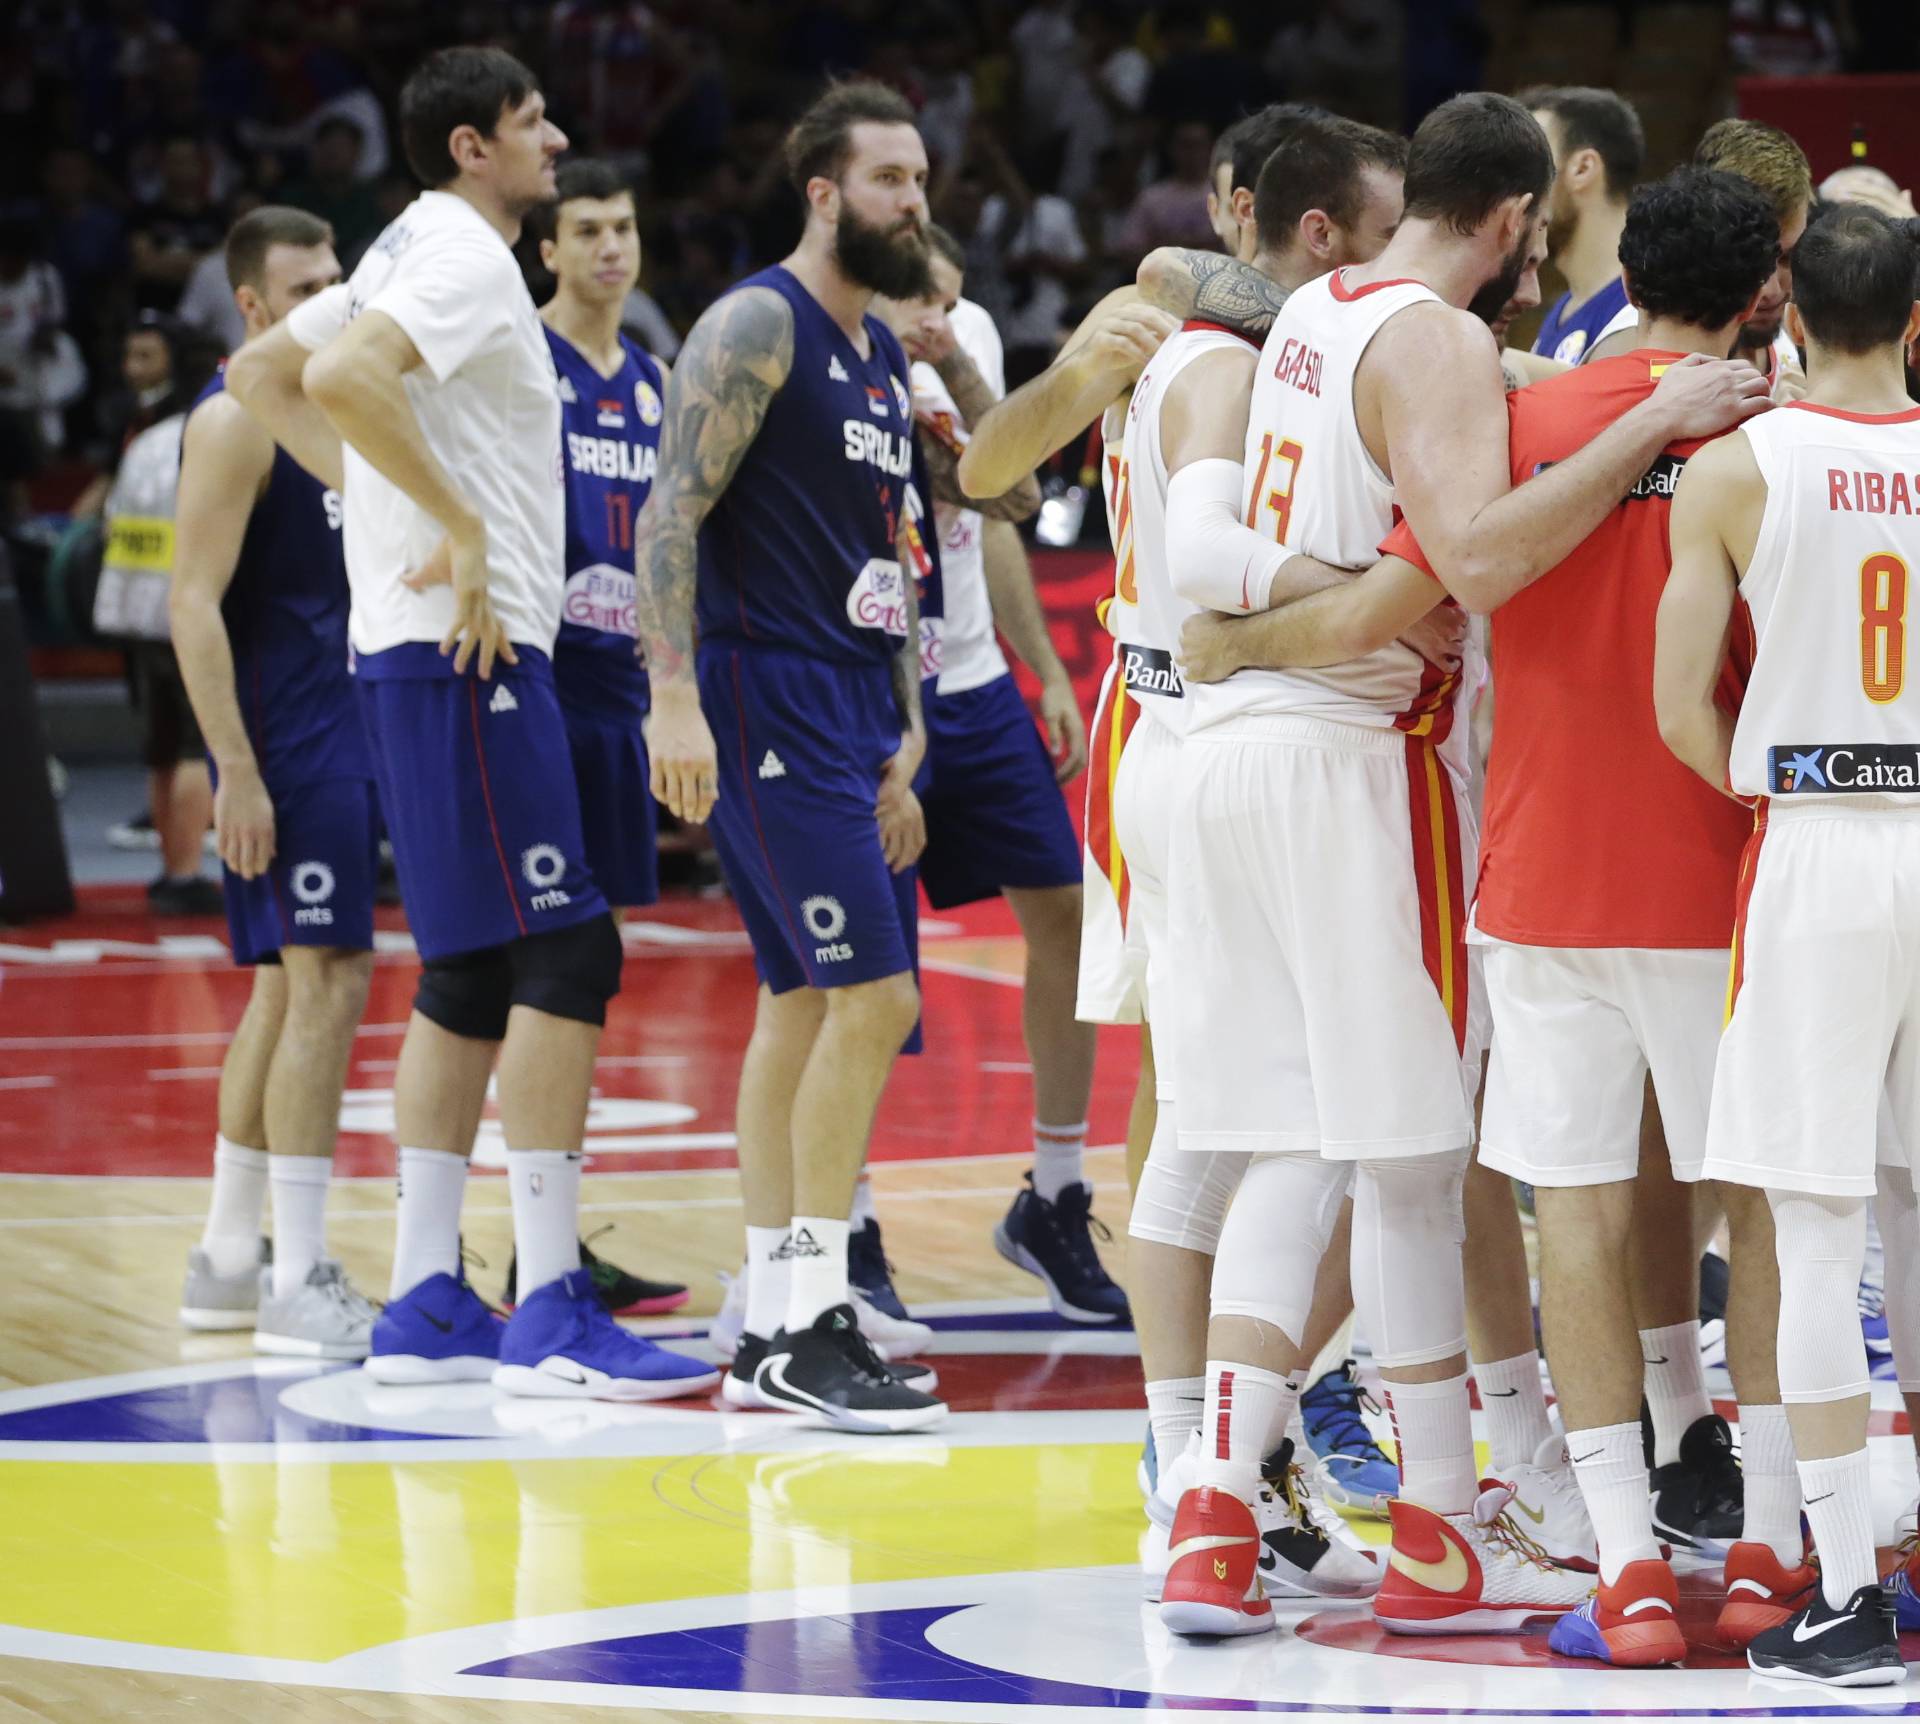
x: 1903, y: 1589
x: 561, y: 1343
x: 1354, y: 1469
x: 1055, y: 1242
x: 1873, y: 1322
x: 869, y: 1271
x: 438, y: 1332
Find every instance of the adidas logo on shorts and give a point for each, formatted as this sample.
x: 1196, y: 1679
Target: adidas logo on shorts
x: 773, y: 766
x: 503, y: 700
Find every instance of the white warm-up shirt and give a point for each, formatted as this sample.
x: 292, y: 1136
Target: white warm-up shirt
x: 488, y: 402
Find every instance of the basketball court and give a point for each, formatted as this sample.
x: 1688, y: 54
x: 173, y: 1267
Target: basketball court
x: 189, y: 1532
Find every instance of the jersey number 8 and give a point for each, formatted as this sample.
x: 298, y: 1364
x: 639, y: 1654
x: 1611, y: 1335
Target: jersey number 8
x: 1883, y: 627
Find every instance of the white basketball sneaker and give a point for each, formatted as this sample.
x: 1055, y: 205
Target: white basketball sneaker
x: 1549, y: 1509
x: 1475, y: 1573
x: 730, y: 1321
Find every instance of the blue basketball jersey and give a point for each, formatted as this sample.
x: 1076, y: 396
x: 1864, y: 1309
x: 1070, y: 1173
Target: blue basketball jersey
x: 799, y: 552
x: 612, y: 439
x: 1567, y: 334
x: 286, y: 617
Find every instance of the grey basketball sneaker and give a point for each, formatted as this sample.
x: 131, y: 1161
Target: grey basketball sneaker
x: 210, y: 1301
x: 325, y: 1317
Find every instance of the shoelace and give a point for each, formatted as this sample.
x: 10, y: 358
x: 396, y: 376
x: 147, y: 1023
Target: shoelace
x: 861, y: 1354
x: 347, y: 1297
x: 1076, y: 1230
x: 1503, y: 1529
x: 1293, y: 1492
x: 874, y: 1255
x: 1335, y: 1416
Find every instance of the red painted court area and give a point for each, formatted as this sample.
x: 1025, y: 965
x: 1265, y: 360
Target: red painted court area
x: 113, y: 1026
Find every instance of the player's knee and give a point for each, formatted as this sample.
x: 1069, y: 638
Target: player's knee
x: 570, y: 972
x: 887, y: 1008
x: 1181, y: 1202
x: 328, y: 984
x: 467, y: 994
x: 1050, y: 918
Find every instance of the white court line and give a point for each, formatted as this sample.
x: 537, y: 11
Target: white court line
x: 36, y: 1082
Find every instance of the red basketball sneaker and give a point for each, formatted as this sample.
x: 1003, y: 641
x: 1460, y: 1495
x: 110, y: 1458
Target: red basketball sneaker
x: 1213, y: 1580
x: 1633, y: 1622
x: 1473, y: 1573
x: 1761, y: 1593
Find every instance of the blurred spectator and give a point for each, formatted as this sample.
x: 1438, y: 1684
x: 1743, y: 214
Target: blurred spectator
x: 946, y: 107
x: 86, y: 241
x: 207, y: 304
x: 332, y: 189
x: 173, y: 106
x: 1199, y: 78
x: 1874, y: 187
x: 1783, y: 38
x: 1100, y: 97
x: 1105, y: 213
x: 173, y: 233
x: 1173, y: 211
x: 1346, y: 56
x: 1031, y: 246
x: 1044, y: 51
x: 40, y: 368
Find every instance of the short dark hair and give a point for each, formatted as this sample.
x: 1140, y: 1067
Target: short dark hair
x: 821, y: 140
x: 577, y: 177
x: 1252, y: 138
x: 1470, y: 155
x: 941, y: 240
x: 456, y: 87
x: 1854, y: 278
x: 1319, y: 166
x: 1698, y: 245
x: 1603, y: 121
x: 258, y: 231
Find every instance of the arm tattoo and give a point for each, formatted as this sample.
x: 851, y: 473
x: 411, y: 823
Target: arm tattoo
x: 906, y: 662
x: 1511, y: 374
x: 1221, y: 289
x: 726, y: 377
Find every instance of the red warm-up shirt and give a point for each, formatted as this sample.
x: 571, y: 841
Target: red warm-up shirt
x: 1592, y: 833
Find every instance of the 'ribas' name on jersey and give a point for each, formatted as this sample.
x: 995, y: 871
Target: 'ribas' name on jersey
x: 890, y: 451
x: 1870, y: 493
x: 611, y: 458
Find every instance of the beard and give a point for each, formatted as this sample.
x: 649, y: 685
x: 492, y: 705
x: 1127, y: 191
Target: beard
x: 889, y: 261
x: 1763, y: 331
x: 1492, y: 298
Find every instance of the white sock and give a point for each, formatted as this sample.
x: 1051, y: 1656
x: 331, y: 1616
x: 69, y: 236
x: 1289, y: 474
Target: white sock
x: 299, y: 1216
x: 1676, y: 1385
x: 231, y: 1238
x: 426, y: 1232
x: 863, y: 1210
x: 819, y: 1269
x: 1772, y: 1483
x: 1174, y: 1406
x: 1515, y: 1402
x: 545, y: 1187
x: 1839, y: 1495
x: 1057, y: 1156
x: 1246, y: 1410
x: 769, y: 1274
x: 1433, y: 1431
x: 1610, y: 1466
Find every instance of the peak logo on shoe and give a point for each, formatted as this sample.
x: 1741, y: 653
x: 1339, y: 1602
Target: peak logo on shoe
x: 503, y: 700
x: 1449, y: 1574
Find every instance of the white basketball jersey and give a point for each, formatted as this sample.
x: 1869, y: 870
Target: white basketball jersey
x: 1825, y: 711
x: 1312, y: 483
x: 1147, y: 613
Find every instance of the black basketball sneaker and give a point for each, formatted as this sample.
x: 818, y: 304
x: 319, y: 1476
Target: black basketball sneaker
x: 737, y: 1389
x: 1700, y: 1500
x: 830, y: 1373
x: 1854, y: 1647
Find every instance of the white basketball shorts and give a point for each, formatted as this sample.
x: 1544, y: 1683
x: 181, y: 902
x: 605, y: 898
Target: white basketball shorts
x: 1317, y: 922
x: 1825, y: 998
x: 1143, y: 802
x: 1575, y: 1032
x: 1106, y: 993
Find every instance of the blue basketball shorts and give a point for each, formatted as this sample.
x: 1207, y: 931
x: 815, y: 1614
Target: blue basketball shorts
x: 618, y: 818
x: 318, y: 889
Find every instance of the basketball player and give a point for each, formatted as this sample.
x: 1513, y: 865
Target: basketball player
x: 780, y: 515
x: 432, y: 368
x: 259, y: 604
x: 1808, y: 519
x: 610, y: 411
x: 1308, y: 1039
x: 996, y: 821
x: 1598, y: 151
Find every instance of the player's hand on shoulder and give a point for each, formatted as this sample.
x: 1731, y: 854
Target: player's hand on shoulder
x: 1704, y: 396
x: 1440, y: 637
x: 476, y: 636
x: 1210, y: 647
x: 243, y: 821
x: 1127, y: 337
x: 683, y: 762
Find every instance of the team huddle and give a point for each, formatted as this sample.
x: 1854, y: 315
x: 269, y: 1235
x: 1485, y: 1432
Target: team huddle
x: 1382, y: 971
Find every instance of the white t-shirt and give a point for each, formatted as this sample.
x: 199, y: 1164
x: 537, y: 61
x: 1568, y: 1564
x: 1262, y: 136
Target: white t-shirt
x: 488, y: 401
x: 970, y: 653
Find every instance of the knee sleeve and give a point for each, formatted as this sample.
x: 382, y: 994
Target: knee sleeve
x: 1897, y: 1210
x: 1821, y: 1243
x: 1409, y: 1291
x: 569, y: 973
x: 1276, y: 1231
x: 1182, y: 1198
x: 467, y: 994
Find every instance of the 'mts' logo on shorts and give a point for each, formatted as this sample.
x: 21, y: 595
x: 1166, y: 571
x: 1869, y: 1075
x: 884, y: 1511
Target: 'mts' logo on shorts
x: 1843, y: 768
x: 312, y: 884
x: 826, y: 920
x: 543, y: 867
